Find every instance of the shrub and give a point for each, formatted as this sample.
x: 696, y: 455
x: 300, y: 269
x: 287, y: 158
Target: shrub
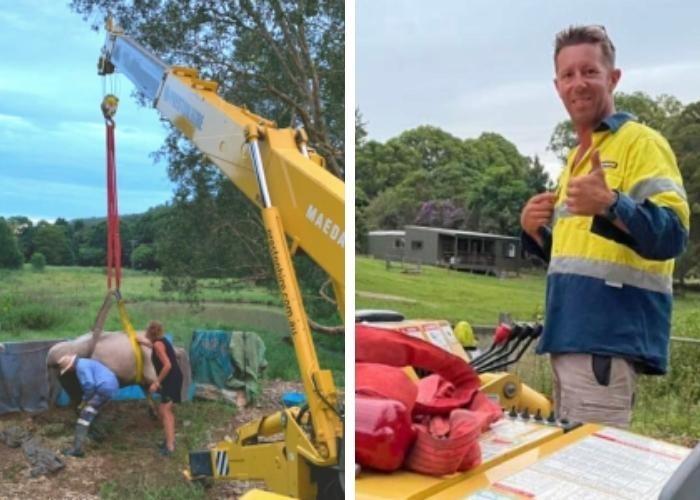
x: 19, y: 313
x: 38, y: 261
x: 144, y: 257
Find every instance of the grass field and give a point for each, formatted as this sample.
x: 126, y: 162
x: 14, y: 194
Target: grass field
x: 62, y: 302
x: 440, y: 293
x: 667, y: 407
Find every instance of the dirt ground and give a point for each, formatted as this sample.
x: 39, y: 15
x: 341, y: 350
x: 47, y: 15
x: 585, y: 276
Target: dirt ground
x: 126, y: 463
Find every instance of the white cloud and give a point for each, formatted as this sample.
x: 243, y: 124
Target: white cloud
x: 12, y: 122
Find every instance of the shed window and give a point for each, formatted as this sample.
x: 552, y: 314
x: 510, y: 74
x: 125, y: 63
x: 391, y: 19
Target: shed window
x: 510, y: 250
x: 416, y: 245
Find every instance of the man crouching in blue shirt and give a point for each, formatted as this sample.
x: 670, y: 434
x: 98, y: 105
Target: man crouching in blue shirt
x: 99, y: 385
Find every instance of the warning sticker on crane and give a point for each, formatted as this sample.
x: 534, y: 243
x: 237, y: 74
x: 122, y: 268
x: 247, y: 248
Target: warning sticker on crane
x: 222, y: 463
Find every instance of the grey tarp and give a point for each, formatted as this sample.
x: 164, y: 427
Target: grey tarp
x: 23, y: 376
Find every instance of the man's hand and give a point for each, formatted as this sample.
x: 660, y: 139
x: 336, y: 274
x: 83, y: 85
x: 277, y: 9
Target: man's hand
x: 589, y: 194
x: 537, y: 213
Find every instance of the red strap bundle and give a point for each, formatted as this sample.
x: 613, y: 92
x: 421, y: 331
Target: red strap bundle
x: 447, y: 433
x: 434, y: 392
x: 383, y: 433
x: 488, y: 410
x: 381, y: 381
x: 378, y: 345
x: 446, y: 445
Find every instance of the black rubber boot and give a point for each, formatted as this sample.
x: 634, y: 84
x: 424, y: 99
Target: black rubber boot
x: 81, y: 432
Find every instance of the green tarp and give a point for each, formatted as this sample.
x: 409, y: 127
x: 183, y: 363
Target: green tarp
x: 228, y: 360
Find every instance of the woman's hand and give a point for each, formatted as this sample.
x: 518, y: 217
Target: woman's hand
x: 154, y: 387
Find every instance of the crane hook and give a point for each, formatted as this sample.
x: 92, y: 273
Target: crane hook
x: 109, y: 106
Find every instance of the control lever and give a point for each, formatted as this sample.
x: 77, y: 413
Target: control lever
x: 501, y: 337
x: 520, y: 332
x: 532, y: 332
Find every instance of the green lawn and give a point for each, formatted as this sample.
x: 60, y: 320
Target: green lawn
x: 438, y: 293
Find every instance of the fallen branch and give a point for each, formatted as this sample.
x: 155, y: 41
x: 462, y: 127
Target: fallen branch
x: 331, y: 330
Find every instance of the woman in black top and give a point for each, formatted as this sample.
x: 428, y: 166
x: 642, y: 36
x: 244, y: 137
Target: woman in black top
x: 169, y: 383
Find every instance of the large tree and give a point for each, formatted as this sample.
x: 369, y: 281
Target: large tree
x: 10, y: 256
x: 658, y: 113
x: 53, y: 241
x: 24, y: 229
x: 284, y: 59
x: 427, y: 176
x: 684, y: 136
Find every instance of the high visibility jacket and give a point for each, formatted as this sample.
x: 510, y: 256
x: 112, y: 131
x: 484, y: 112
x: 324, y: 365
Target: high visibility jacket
x: 610, y: 292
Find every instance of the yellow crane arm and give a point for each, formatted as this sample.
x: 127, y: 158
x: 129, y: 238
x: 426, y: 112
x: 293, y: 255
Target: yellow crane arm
x: 310, y: 199
x: 301, y: 202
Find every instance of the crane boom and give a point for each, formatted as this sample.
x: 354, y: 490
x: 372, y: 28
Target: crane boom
x: 300, y: 202
x: 310, y: 199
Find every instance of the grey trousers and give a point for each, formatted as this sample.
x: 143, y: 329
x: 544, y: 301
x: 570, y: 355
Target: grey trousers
x: 580, y: 396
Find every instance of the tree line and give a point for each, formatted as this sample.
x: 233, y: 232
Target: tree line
x: 81, y: 242
x: 429, y: 177
x: 217, y: 239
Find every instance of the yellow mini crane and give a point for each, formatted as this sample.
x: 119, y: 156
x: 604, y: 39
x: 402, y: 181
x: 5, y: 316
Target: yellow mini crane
x: 302, y: 203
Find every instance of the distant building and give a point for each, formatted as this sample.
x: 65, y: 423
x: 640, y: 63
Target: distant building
x: 386, y: 244
x: 456, y: 249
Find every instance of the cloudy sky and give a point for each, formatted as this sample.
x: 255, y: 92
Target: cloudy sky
x: 52, y: 144
x: 474, y: 66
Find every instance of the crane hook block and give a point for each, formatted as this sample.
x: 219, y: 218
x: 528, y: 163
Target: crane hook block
x: 109, y: 105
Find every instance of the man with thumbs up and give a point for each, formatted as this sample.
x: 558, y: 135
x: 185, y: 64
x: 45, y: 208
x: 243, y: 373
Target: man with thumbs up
x: 610, y: 232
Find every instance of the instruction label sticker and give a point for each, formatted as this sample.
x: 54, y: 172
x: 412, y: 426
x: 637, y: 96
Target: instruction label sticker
x: 437, y: 336
x: 507, y: 435
x: 610, y: 464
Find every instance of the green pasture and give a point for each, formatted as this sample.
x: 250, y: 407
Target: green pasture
x: 62, y: 303
x: 436, y: 292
